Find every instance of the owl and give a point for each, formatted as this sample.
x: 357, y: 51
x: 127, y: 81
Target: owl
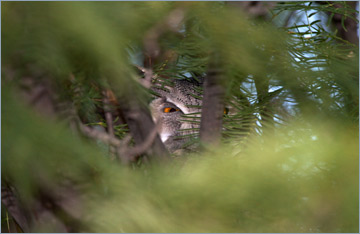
x: 178, y: 108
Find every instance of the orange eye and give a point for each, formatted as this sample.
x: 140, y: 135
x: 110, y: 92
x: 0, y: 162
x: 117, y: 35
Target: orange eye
x: 170, y: 109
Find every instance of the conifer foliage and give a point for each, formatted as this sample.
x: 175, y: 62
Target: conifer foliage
x: 276, y: 148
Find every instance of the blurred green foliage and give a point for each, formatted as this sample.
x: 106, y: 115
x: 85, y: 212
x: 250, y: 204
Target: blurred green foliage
x: 303, y: 177
x: 308, y: 183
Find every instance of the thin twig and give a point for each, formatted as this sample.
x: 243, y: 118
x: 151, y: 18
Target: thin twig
x: 102, y: 136
x: 124, y: 153
x: 108, y: 116
x: 109, y: 121
x: 288, y: 18
x: 148, y: 76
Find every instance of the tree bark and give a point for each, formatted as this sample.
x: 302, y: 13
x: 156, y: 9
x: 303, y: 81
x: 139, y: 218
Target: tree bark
x: 213, y: 104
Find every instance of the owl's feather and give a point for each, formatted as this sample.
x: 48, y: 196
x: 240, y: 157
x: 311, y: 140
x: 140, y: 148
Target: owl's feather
x: 183, y: 95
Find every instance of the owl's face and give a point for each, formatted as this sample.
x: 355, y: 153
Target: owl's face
x: 169, y: 114
x: 174, y: 103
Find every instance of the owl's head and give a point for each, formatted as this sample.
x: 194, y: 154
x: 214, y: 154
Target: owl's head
x: 178, y: 107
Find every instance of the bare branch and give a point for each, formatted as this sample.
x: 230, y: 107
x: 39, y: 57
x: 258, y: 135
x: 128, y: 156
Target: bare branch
x: 102, y: 136
x: 124, y: 153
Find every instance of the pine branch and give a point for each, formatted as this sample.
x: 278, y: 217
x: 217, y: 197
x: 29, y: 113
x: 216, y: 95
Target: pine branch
x: 262, y: 89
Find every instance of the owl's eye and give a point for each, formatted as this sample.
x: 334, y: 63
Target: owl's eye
x: 170, y: 109
x: 226, y: 111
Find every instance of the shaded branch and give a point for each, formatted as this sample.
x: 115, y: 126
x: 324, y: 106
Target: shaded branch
x: 141, y: 124
x: 121, y: 148
x: 14, y: 207
x: 50, y: 203
x: 102, y: 136
x: 133, y: 153
x: 108, y: 119
x: 349, y: 33
x: 213, y: 104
